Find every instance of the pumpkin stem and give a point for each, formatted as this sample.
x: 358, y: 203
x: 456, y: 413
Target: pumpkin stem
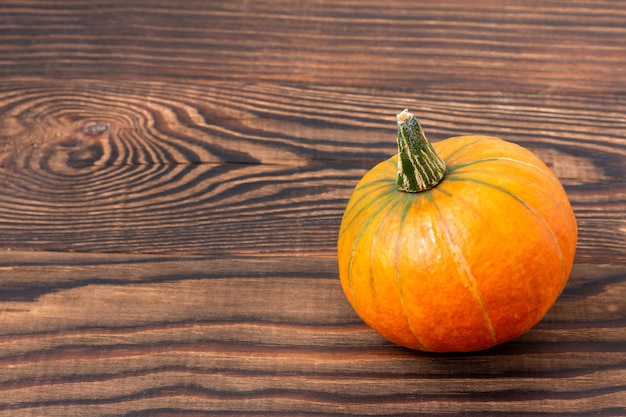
x: 420, y: 168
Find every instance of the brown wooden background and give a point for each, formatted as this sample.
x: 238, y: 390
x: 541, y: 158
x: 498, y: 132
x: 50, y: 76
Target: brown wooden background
x: 173, y: 175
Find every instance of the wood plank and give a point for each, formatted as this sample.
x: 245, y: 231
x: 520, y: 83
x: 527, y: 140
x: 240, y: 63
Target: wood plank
x: 145, y: 335
x: 452, y: 44
x: 230, y: 209
x: 72, y: 127
x: 176, y: 208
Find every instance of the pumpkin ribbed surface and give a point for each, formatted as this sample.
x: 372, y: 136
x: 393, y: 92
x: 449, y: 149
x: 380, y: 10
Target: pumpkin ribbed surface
x: 475, y: 261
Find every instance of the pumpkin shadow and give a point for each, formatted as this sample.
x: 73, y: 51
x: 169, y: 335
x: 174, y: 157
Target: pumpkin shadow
x: 521, y: 357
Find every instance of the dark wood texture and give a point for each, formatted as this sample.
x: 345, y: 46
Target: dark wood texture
x: 173, y: 175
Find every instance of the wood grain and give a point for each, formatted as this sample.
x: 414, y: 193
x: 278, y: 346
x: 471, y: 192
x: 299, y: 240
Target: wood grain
x: 144, y: 335
x: 452, y: 44
x: 100, y: 123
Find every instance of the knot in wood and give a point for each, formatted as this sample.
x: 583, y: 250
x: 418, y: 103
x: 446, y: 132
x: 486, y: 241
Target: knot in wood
x: 96, y: 128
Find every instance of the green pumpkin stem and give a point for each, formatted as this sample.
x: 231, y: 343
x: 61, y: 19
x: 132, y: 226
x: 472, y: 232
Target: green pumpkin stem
x: 420, y: 168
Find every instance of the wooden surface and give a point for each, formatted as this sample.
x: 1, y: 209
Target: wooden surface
x: 173, y: 175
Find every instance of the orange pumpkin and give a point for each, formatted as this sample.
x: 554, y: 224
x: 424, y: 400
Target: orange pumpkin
x: 456, y: 246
